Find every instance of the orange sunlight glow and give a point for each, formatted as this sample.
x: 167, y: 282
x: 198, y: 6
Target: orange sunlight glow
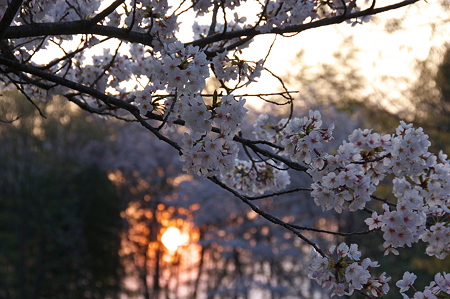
x: 172, y: 238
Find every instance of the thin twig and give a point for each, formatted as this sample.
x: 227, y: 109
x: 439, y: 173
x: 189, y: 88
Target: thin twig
x: 22, y: 91
x: 279, y: 193
x: 265, y: 215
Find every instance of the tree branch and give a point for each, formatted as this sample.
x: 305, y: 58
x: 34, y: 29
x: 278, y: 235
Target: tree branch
x: 267, y: 216
x: 67, y: 83
x: 77, y: 27
x: 279, y: 193
x: 106, y: 12
x: 9, y: 16
x: 109, y: 100
x: 86, y: 27
x: 247, y: 142
x: 251, y: 32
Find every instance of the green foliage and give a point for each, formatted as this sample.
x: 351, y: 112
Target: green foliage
x: 59, y: 214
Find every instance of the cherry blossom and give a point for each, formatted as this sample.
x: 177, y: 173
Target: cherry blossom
x: 344, y: 273
x: 441, y: 284
x: 255, y: 178
x: 407, y: 282
x: 148, y: 73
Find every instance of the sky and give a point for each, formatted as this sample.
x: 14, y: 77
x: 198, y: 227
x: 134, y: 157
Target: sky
x: 379, y: 54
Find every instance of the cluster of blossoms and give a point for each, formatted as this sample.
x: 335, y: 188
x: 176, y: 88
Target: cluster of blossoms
x: 421, y: 185
x: 150, y: 16
x: 168, y: 77
x: 342, y: 272
x: 337, y: 178
x: 256, y: 177
x: 347, y: 179
x: 407, y: 224
x: 303, y: 137
x: 44, y: 11
x: 281, y: 13
x: 264, y: 129
x: 183, y: 69
x: 144, y: 101
x: 437, y: 237
x: 438, y: 287
x: 350, y: 176
x: 235, y: 69
x: 210, y: 154
x: 400, y: 227
x: 422, y: 189
x: 203, y: 6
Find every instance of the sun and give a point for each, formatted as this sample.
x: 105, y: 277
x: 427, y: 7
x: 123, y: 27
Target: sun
x: 172, y: 238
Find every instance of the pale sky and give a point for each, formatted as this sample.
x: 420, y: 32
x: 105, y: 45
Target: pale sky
x: 379, y: 53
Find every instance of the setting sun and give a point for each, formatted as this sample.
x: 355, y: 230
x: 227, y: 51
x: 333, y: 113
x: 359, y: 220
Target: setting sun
x: 172, y: 238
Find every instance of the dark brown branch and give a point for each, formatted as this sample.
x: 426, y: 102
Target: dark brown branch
x: 383, y: 200
x: 155, y: 131
x: 90, y: 91
x: 96, y: 110
x: 212, y: 27
x: 77, y: 27
x: 26, y: 96
x: 279, y: 193
x: 116, y: 103
x: 330, y: 232
x: 9, y: 121
x: 69, y: 55
x: 268, y: 143
x: 266, y: 153
x: 86, y: 27
x: 250, y: 32
x: 9, y: 16
x: 372, y: 160
x: 67, y: 83
x: 247, y: 142
x: 106, y: 12
x: 267, y: 216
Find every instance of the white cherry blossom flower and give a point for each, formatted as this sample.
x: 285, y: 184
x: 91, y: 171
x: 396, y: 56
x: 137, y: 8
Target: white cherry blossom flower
x: 406, y: 282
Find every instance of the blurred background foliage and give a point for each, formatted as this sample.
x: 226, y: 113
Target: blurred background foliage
x: 84, y: 203
x: 59, y: 213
